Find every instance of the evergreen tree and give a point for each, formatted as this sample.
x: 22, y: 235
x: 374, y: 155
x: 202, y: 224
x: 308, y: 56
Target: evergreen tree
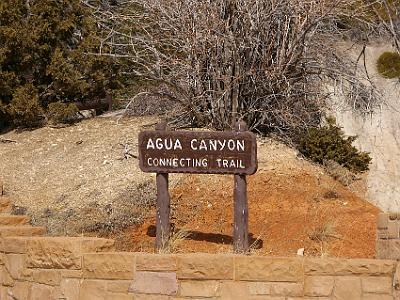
x: 48, y: 54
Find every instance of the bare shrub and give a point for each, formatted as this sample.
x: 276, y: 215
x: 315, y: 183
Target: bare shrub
x: 261, y: 61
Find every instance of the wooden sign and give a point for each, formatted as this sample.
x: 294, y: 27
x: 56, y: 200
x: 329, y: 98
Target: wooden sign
x: 163, y: 152
x: 198, y: 152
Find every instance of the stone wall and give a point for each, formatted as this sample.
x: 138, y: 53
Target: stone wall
x: 388, y: 236
x: 82, y: 268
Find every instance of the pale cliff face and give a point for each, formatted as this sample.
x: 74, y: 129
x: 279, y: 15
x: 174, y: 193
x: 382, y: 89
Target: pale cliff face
x: 378, y: 133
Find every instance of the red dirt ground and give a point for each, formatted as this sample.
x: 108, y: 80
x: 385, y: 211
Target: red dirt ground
x: 284, y: 212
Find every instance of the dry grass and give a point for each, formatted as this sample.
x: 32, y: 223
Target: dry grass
x: 339, y: 173
x: 126, y: 209
x: 324, y: 231
x: 171, y: 245
x: 78, y: 179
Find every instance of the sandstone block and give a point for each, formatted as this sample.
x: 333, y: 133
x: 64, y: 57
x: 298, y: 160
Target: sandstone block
x: 271, y: 298
x: 71, y: 273
x: 377, y: 297
x: 5, y: 277
x: 22, y: 230
x: 382, y: 221
x: 14, y: 244
x: 92, y: 245
x: 276, y: 288
x: 16, y: 266
x: 318, y: 285
x: 118, y: 286
x: 259, y: 288
x: 49, y: 277
x: 20, y: 290
x: 234, y: 290
x: 393, y: 230
x: 61, y: 252
x: 109, y: 265
x: 41, y: 291
x: 118, y: 296
x: 93, y: 290
x: 155, y: 297
x: 309, y: 298
x: 382, y: 285
x: 286, y: 289
x: 156, y: 262
x: 202, y: 288
x: 370, y: 267
x: 70, y: 288
x: 5, y: 205
x: 382, y: 234
x: 346, y: 288
x: 162, y: 283
x: 388, y: 249
x: 3, y: 292
x: 12, y: 220
x: 268, y: 269
x: 205, y: 266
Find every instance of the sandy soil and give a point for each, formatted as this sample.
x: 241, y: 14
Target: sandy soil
x: 64, y: 177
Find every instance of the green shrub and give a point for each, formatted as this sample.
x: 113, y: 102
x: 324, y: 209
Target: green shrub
x: 25, y: 107
x: 388, y: 65
x: 329, y: 143
x: 58, y: 112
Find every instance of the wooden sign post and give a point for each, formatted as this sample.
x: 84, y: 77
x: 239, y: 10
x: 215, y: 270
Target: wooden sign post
x: 163, y: 203
x: 241, y: 210
x: 203, y: 152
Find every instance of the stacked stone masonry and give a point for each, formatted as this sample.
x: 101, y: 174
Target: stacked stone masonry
x: 388, y: 236
x: 34, y: 267
x: 84, y: 268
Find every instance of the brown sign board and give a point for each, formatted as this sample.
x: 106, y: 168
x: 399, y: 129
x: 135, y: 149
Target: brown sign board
x: 227, y: 152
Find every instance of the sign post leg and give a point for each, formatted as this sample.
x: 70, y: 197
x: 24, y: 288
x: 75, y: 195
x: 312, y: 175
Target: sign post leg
x: 163, y: 210
x: 241, y: 210
x: 163, y: 226
x: 241, y: 215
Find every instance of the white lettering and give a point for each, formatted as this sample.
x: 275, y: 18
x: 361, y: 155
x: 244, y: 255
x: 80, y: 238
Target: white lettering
x: 149, y: 161
x: 231, y: 145
x: 192, y: 144
x: 175, y: 162
x: 168, y: 146
x: 219, y: 162
x: 225, y: 163
x: 150, y: 144
x: 221, y: 145
x: 213, y: 145
x: 241, y: 164
x: 178, y: 145
x: 204, y: 162
x: 181, y: 162
x: 155, y: 162
x: 240, y: 145
x: 159, y: 144
x: 203, y: 145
